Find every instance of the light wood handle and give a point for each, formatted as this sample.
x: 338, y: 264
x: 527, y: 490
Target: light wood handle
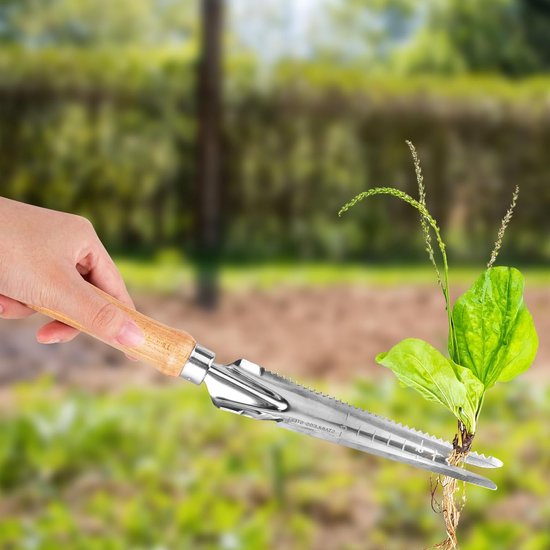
x: 166, y: 348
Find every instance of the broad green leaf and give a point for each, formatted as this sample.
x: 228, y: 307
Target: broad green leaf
x: 495, y: 335
x: 419, y: 365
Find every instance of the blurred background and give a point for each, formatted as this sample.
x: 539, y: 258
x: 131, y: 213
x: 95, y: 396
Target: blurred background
x: 212, y: 144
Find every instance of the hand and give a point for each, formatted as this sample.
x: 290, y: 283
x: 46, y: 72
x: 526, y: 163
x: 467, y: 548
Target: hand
x: 46, y: 257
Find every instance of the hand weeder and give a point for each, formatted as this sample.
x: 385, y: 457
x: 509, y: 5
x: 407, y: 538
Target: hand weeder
x: 250, y: 390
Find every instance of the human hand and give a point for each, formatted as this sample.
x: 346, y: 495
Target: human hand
x: 46, y: 257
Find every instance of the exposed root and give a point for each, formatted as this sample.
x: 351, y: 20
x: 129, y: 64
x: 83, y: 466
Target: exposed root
x: 453, y: 498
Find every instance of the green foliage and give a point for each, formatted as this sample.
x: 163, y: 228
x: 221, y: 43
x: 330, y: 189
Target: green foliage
x: 95, y: 152
x: 441, y: 37
x: 110, y: 134
x: 92, y: 23
x: 54, y: 77
x: 491, y: 333
x: 420, y: 366
x: 505, y: 36
x: 98, y: 110
x: 494, y: 519
x: 153, y: 467
x: 495, y: 334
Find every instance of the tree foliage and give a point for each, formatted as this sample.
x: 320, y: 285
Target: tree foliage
x: 507, y: 37
x: 501, y: 36
x: 88, y: 23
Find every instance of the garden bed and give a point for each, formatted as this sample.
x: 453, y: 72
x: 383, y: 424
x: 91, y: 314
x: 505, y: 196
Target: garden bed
x: 329, y: 333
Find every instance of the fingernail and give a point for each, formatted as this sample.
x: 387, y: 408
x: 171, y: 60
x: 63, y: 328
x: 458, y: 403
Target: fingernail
x: 130, y: 335
x: 52, y: 341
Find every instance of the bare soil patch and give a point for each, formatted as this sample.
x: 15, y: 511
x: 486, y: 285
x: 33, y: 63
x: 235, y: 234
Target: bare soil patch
x: 330, y: 333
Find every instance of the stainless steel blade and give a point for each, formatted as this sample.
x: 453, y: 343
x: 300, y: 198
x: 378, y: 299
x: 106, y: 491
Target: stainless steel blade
x: 325, y: 417
x: 247, y: 389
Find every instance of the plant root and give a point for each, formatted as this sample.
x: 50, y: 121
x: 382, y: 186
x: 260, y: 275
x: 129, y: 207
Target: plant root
x: 453, y: 499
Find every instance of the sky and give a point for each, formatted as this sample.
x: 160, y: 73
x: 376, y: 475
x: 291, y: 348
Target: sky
x: 299, y: 29
x: 277, y: 28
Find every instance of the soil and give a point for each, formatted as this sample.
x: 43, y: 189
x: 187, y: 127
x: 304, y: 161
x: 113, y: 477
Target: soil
x: 330, y: 333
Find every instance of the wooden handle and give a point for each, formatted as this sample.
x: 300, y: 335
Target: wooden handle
x: 166, y: 348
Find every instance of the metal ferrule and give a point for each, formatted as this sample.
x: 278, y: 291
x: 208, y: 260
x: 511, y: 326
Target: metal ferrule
x: 198, y: 364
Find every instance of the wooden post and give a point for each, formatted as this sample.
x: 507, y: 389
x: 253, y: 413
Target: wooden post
x: 209, y: 161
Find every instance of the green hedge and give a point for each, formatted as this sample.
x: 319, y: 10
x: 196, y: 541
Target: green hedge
x: 111, y: 134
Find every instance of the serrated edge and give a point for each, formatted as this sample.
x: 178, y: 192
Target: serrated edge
x: 473, y: 458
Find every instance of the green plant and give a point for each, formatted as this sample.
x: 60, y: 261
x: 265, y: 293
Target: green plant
x: 492, y: 338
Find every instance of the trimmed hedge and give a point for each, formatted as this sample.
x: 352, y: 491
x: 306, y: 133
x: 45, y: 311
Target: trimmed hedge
x: 111, y: 135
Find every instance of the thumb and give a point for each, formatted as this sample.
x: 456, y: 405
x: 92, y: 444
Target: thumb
x: 87, y: 310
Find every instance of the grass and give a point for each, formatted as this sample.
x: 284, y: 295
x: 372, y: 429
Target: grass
x: 168, y: 274
x: 161, y: 468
